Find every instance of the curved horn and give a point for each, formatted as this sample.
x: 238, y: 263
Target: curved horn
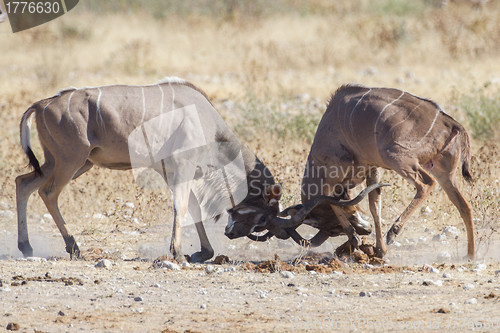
x: 262, y: 238
x: 297, y: 219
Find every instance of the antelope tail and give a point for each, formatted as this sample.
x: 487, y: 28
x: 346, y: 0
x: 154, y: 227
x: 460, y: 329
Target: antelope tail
x: 465, y: 154
x: 25, y: 140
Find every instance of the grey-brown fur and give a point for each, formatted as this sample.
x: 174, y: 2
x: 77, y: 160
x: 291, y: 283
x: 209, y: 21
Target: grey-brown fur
x: 80, y: 128
x: 367, y: 129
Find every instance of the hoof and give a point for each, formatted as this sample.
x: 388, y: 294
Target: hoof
x: 72, y: 248
x: 25, y: 248
x: 392, y: 233
x: 202, y: 256
x: 380, y: 252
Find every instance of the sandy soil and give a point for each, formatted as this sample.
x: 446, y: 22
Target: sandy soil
x: 132, y: 296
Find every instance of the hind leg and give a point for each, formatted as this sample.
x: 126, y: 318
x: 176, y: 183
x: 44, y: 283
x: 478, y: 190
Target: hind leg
x: 49, y: 192
x: 25, y: 185
x: 445, y: 173
x: 424, y: 184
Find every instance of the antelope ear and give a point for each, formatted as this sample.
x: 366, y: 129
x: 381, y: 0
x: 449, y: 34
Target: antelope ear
x: 272, y: 193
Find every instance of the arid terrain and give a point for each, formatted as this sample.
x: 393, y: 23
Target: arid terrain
x: 269, y: 70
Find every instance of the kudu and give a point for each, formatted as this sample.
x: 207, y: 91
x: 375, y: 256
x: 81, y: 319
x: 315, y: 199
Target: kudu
x: 364, y: 129
x: 123, y: 127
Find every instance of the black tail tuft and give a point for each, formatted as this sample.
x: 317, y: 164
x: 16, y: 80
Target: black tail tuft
x: 465, y: 172
x: 33, y: 161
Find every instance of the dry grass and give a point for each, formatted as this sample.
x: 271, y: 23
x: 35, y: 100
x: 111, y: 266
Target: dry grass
x: 269, y: 71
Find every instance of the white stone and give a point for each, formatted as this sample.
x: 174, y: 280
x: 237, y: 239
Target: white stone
x: 439, y: 238
x: 209, y: 269
x: 170, y: 265
x: 471, y: 301
x: 104, y: 263
x: 451, y: 231
x: 469, y: 286
x: 287, y: 274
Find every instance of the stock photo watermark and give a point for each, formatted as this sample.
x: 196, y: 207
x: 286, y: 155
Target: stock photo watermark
x: 25, y: 15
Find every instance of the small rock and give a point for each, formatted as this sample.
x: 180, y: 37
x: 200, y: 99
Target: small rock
x: 453, y: 305
x: 287, y: 274
x: 426, y: 211
x: 439, y: 238
x: 98, y: 216
x: 446, y: 275
x: 301, y: 289
x: 230, y: 269
x: 396, y: 244
x: 203, y: 306
x: 481, y: 267
x: 209, y: 269
x: 60, y: 313
x: 461, y: 269
x: 337, y: 273
x: 138, y: 299
x: 263, y: 294
x: 422, y: 239
x: 365, y: 294
x: 156, y: 285
x: 104, y: 263
x: 185, y: 264
x: 497, y: 272
x: 431, y: 269
x: 443, y: 310
x: 332, y: 292
x: 221, y: 259
x: 12, y: 327
x: 471, y: 301
x: 130, y: 205
x: 169, y: 265
x: 451, y: 231
x: 429, y: 282
x: 469, y: 286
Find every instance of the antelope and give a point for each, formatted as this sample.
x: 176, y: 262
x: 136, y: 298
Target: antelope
x: 170, y: 127
x: 367, y: 129
x: 362, y: 131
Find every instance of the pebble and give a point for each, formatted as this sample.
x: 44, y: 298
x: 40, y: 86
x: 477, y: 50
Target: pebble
x: 469, y: 286
x: 497, y: 272
x: 451, y: 231
x: 447, y: 275
x: 365, y: 294
x: 156, y: 285
x: 429, y: 282
x: 60, y: 313
x: 203, y: 306
x: 481, y: 267
x: 104, y: 263
x: 287, y: 274
x: 138, y: 299
x: 439, y: 238
x: 263, y: 294
x: 209, y: 269
x: 230, y: 269
x: 169, y: 265
x: 396, y: 244
x: 471, y: 301
x: 12, y: 327
x: 337, y: 273
x: 431, y: 269
x: 185, y: 264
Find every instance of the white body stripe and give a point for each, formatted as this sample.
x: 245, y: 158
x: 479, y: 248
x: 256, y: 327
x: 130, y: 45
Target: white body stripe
x: 98, y: 110
x: 432, y: 125
x: 69, y: 102
x: 380, y: 115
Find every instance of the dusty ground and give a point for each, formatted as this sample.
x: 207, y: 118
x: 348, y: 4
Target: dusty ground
x: 269, y: 75
x: 134, y: 296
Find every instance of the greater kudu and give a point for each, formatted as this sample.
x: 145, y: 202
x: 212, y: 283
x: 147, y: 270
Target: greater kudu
x: 170, y: 127
x: 364, y: 129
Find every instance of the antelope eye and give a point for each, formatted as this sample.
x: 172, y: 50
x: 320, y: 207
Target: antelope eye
x: 262, y: 219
